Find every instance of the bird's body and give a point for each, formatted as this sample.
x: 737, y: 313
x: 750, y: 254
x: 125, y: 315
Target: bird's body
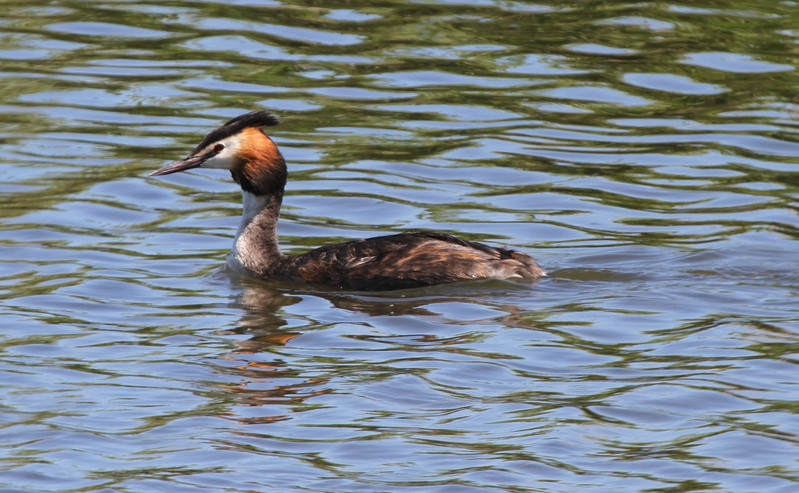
x: 397, y: 261
x: 400, y: 261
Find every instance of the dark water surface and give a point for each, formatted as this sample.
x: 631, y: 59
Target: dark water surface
x: 644, y: 152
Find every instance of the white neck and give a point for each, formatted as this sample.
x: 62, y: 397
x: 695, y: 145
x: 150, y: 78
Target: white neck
x: 252, y: 205
x: 256, y: 246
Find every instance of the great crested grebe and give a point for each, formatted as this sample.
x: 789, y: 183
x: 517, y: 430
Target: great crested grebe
x: 399, y: 261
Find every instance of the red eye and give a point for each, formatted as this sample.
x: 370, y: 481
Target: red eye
x: 218, y: 147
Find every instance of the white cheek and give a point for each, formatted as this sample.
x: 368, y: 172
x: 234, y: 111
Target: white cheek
x: 221, y: 161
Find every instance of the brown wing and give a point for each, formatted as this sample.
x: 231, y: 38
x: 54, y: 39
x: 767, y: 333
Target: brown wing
x: 406, y: 260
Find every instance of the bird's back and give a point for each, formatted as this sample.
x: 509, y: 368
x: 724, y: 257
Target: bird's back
x: 405, y: 260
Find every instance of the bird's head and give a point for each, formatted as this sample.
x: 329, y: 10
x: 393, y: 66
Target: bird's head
x: 239, y: 146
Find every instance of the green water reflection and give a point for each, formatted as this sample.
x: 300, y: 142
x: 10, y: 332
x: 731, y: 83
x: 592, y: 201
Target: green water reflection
x: 644, y: 152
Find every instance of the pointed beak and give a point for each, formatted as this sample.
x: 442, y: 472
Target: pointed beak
x: 179, y: 165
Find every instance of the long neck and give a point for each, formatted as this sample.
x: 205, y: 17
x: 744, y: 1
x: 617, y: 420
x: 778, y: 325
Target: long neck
x: 256, y: 246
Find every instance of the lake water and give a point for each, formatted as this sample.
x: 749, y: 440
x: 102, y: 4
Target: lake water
x: 645, y: 153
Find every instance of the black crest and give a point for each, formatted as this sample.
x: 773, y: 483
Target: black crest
x: 236, y: 125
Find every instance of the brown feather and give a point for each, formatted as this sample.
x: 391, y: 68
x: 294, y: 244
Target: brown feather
x: 260, y: 167
x: 404, y: 261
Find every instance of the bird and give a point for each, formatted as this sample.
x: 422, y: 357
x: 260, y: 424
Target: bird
x: 397, y: 261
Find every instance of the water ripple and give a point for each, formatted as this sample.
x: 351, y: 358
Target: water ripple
x: 644, y: 153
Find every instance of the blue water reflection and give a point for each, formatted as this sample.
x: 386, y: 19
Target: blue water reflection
x: 644, y: 153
